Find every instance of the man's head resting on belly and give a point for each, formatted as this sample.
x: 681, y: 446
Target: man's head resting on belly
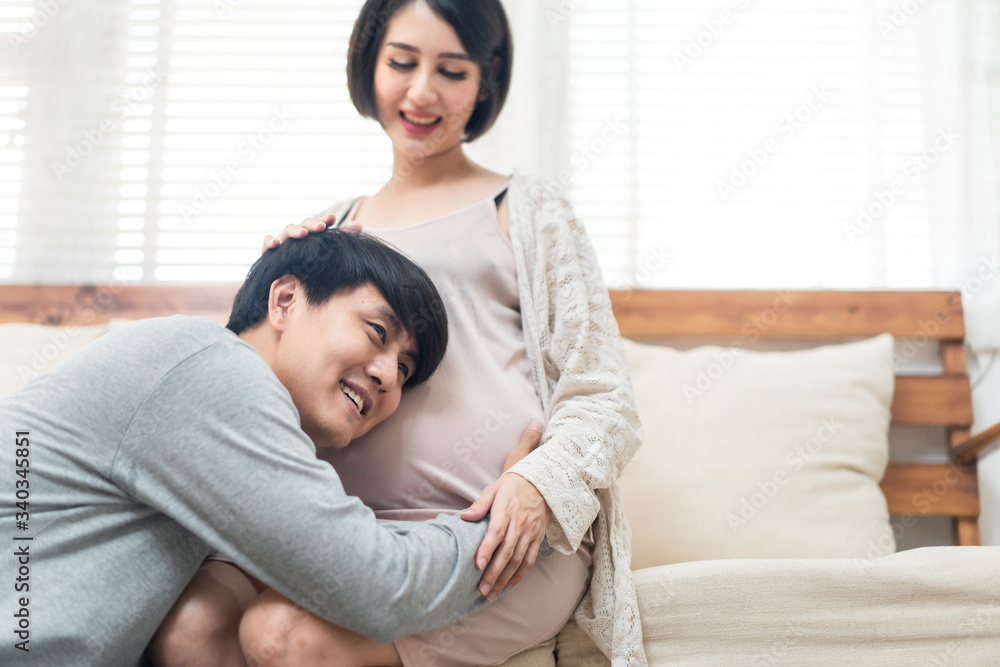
x: 344, y: 321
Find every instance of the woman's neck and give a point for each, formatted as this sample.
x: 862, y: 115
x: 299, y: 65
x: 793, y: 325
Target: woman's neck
x: 415, y: 173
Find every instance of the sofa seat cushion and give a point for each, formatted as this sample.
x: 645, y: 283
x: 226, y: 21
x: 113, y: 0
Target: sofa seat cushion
x: 927, y: 606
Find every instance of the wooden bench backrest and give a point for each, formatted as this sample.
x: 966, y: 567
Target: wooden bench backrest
x: 924, y: 318
x: 933, y: 489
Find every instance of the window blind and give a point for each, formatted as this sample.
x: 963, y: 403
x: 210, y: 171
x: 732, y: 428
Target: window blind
x: 766, y: 143
x: 200, y: 126
x: 705, y: 144
x: 15, y: 26
x: 252, y: 129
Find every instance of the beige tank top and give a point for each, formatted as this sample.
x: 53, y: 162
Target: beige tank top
x: 450, y: 436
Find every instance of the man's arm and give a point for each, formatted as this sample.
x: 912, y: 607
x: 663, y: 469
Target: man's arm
x: 218, y: 448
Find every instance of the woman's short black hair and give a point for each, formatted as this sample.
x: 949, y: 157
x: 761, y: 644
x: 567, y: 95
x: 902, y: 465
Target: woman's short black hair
x: 481, y: 26
x: 329, y: 261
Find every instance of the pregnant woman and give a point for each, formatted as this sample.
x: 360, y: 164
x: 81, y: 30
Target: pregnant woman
x: 532, y: 338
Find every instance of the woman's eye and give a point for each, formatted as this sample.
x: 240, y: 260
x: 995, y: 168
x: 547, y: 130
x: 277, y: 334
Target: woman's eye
x: 457, y: 76
x: 395, y: 64
x: 405, y: 370
x: 380, y: 330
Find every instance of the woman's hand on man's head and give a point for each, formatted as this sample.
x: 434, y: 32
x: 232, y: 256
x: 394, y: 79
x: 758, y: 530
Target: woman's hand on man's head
x: 519, y: 517
x: 307, y: 226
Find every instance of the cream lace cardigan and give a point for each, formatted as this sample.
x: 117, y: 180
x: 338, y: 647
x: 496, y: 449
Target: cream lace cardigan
x: 582, y: 379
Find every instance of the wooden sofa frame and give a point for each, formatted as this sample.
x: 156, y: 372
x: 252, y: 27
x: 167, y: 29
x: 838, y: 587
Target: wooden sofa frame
x: 949, y: 488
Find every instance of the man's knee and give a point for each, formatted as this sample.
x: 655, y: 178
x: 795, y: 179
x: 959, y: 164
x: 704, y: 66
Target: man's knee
x: 267, y: 631
x: 193, y: 634
x: 275, y: 632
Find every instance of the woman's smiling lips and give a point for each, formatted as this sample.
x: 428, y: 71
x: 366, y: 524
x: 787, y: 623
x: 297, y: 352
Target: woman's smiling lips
x: 418, y: 123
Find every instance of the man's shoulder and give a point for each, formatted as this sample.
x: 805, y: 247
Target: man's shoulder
x: 155, y: 346
x: 168, y: 336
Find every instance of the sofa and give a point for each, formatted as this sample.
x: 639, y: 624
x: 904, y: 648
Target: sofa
x: 764, y: 505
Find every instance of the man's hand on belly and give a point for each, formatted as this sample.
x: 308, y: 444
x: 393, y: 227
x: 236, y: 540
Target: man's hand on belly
x: 519, y: 516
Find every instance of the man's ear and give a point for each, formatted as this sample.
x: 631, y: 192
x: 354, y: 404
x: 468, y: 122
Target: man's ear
x: 286, y: 293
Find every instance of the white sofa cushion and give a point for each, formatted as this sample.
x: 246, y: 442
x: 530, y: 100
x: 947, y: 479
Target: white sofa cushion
x: 28, y: 350
x: 759, y: 454
x: 928, y: 606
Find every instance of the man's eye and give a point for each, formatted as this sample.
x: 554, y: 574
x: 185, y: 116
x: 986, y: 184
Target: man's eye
x: 380, y: 330
x: 395, y: 64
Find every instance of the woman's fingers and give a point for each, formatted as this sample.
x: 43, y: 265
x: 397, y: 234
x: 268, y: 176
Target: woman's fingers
x: 521, y: 552
x: 487, y: 553
x: 298, y: 231
x: 502, y: 557
x: 479, y: 509
x: 526, y: 565
x: 530, y: 440
x: 519, y: 513
x: 518, y: 519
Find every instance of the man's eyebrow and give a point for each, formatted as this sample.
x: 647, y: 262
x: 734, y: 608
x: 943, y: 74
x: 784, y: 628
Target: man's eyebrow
x: 446, y: 54
x: 397, y: 330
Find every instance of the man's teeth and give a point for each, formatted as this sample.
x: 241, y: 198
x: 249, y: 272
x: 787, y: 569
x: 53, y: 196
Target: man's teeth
x: 353, y: 396
x: 419, y: 121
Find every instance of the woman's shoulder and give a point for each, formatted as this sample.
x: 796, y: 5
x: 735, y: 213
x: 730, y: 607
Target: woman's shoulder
x: 543, y: 200
x: 340, y: 208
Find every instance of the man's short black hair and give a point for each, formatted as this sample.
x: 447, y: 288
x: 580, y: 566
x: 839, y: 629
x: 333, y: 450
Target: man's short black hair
x: 482, y: 27
x: 329, y: 261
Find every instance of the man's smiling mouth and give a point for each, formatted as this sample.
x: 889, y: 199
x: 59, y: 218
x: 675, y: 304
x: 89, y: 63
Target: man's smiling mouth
x: 351, y: 394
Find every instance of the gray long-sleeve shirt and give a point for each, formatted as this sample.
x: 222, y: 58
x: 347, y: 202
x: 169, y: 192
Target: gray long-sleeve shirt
x: 169, y: 437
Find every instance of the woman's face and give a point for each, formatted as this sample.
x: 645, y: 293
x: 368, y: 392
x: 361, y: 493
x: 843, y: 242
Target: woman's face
x: 425, y: 83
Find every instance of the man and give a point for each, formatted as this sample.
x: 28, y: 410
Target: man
x: 172, y: 437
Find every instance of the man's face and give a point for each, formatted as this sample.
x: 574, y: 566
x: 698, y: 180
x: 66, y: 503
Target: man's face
x: 344, y: 362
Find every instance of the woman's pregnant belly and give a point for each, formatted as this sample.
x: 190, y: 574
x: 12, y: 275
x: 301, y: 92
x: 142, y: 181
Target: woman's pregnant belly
x: 448, y: 439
